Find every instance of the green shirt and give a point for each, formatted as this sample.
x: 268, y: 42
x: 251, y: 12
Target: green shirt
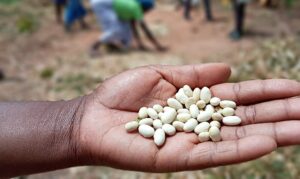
x: 128, y: 9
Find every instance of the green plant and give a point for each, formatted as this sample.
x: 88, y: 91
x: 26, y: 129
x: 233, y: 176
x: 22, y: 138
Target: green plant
x: 26, y: 23
x: 8, y: 2
x: 47, y: 73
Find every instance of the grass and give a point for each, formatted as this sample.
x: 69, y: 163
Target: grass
x: 8, y: 2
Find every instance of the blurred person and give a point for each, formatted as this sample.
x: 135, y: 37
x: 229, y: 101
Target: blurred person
x: 134, y: 11
x: 2, y: 76
x: 58, y: 6
x: 188, y: 4
x: 89, y: 130
x: 119, y: 20
x: 239, y: 8
x: 74, y: 11
x: 115, y: 33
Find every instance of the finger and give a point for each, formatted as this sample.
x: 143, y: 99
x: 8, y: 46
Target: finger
x: 254, y: 91
x: 211, y: 154
x: 273, y: 111
x: 284, y: 133
x: 194, y: 75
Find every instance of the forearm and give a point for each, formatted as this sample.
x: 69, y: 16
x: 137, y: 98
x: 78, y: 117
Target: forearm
x: 38, y: 136
x: 149, y: 35
x: 136, y: 34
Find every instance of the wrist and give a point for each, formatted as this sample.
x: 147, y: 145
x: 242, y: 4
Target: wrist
x: 44, y: 136
x: 75, y: 115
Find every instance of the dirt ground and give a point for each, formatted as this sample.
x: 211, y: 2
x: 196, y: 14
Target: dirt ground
x: 188, y: 42
x: 70, y: 71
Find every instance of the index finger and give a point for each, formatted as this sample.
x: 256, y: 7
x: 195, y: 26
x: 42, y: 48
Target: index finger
x: 197, y: 75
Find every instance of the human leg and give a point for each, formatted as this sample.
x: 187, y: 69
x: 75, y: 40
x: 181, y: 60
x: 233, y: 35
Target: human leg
x: 239, y: 16
x: 207, y: 8
x: 187, y: 9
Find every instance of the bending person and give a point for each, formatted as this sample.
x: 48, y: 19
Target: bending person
x: 115, y: 33
x: 133, y: 11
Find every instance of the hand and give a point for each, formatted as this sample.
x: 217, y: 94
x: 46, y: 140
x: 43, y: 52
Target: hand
x: 104, y: 141
x: 143, y: 48
x: 162, y: 48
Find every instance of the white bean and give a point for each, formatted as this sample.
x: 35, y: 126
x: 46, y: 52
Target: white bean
x: 218, y: 109
x: 217, y: 116
x: 183, y: 117
x: 232, y: 120
x: 160, y: 114
x: 131, y: 126
x: 159, y: 137
x: 147, y: 121
x: 203, y: 136
x: 190, y: 125
x: 143, y: 113
x: 205, y: 94
x: 178, y: 125
x: 181, y: 96
x: 201, y: 104
x: 194, y: 111
x: 202, y: 127
x: 169, y: 129
x: 157, y: 124
x: 168, y: 116
x: 187, y: 90
x: 167, y: 108
x: 215, y: 123
x: 189, y: 111
x: 209, y: 108
x: 189, y: 102
x: 183, y: 111
x: 158, y: 108
x: 228, y: 111
x: 204, y: 116
x: 215, y: 101
x: 173, y: 103
x: 146, y: 131
x: 196, y: 94
x: 152, y: 113
x: 227, y: 103
x: 214, y: 134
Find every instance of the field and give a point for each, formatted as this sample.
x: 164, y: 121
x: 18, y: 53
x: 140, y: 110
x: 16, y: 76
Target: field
x: 42, y: 62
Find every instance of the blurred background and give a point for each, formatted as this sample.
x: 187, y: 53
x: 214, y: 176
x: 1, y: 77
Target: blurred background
x: 43, y: 59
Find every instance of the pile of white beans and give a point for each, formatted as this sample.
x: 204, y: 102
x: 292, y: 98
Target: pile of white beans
x: 190, y: 111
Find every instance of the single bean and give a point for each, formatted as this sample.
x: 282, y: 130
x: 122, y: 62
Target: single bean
x: 159, y: 137
x: 152, y: 113
x: 190, y: 125
x: 146, y: 131
x: 205, y: 94
x: 169, y: 129
x: 131, y: 126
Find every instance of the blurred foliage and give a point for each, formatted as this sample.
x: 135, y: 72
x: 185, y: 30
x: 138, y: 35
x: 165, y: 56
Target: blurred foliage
x: 26, y: 23
x: 78, y: 82
x: 274, y: 59
x: 8, y: 2
x: 47, y: 73
x: 18, y: 17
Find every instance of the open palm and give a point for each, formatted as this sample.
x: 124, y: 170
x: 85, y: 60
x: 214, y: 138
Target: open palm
x: 262, y: 106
